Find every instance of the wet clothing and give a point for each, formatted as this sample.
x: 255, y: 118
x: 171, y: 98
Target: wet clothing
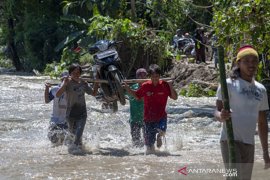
x: 76, y: 108
x: 244, y: 154
x: 246, y: 100
x: 151, y: 130
x: 136, y: 117
x: 76, y: 127
x: 58, y: 126
x: 155, y: 100
x: 59, y: 106
x: 135, y: 131
x: 57, y: 133
x: 136, y: 107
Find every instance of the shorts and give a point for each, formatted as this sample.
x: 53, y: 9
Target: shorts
x: 151, y: 130
x: 163, y: 124
x: 57, y: 132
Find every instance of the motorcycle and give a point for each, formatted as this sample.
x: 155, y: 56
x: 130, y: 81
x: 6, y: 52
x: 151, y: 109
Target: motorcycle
x: 107, y: 67
x: 185, y: 45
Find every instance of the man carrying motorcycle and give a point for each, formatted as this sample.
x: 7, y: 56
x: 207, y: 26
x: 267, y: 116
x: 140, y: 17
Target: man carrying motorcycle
x: 155, y: 93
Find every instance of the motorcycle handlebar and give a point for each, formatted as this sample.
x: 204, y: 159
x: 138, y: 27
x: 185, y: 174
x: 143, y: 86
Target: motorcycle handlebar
x: 118, y: 42
x: 94, y: 49
x: 112, y: 43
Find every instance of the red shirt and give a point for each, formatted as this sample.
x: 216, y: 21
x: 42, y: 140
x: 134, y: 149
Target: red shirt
x: 155, y: 100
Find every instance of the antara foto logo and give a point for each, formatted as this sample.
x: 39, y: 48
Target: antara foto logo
x: 183, y: 170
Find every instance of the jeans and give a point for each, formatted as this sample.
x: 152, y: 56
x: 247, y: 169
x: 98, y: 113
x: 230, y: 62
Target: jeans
x: 76, y: 127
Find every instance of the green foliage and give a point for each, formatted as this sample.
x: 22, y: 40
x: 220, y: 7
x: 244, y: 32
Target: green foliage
x: 40, y: 26
x: 195, y: 90
x: 6, y: 63
x: 89, y: 8
x: 56, y: 68
x: 239, y: 22
x: 68, y: 57
x: 263, y: 70
x: 69, y: 39
x: 137, y: 39
x: 2, y: 36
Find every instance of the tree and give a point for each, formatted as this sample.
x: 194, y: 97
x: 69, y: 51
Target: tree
x: 8, y: 9
x: 133, y: 10
x: 238, y: 22
x: 37, y: 27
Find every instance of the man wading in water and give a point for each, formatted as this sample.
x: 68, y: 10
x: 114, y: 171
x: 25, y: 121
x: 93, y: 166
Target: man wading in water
x: 76, y: 114
x: 155, y: 93
x: 136, y: 111
x: 58, y: 125
x: 248, y: 102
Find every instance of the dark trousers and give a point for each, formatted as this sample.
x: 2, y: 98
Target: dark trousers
x: 76, y: 127
x: 200, y: 54
x: 135, y: 131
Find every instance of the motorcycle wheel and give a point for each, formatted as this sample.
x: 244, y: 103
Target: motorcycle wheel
x: 106, y: 90
x: 111, y: 106
x: 119, y: 90
x: 114, y: 106
x: 188, y: 49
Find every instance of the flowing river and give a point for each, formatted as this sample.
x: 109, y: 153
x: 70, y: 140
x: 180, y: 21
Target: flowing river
x: 191, y: 149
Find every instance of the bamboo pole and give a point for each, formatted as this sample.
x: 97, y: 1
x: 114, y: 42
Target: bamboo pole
x: 89, y: 80
x: 143, y: 80
x: 129, y: 81
x: 226, y: 105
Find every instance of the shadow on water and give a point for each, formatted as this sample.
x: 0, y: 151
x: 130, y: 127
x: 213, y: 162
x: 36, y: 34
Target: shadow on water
x: 112, y: 152
x: 109, y: 111
x: 165, y: 154
x: 13, y: 120
x: 198, y: 111
x: 204, y: 111
x: 12, y: 71
x: 121, y: 153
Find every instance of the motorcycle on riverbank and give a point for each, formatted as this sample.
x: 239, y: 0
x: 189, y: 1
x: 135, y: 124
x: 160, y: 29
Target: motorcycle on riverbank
x: 185, y: 45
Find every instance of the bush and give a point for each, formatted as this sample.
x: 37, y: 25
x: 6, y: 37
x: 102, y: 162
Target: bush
x: 68, y: 57
x: 195, y: 90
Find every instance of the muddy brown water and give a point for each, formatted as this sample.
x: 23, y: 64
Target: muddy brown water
x: 192, y: 140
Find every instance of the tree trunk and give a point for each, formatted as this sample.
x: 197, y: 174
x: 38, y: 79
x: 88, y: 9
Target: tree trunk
x: 11, y: 46
x: 226, y: 104
x: 133, y: 10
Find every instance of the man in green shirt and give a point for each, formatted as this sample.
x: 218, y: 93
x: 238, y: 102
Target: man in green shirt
x: 136, y: 112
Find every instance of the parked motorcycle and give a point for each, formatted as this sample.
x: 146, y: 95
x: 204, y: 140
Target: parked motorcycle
x: 185, y: 45
x: 107, y: 67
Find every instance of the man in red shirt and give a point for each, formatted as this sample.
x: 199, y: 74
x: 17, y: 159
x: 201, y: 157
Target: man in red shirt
x: 155, y: 93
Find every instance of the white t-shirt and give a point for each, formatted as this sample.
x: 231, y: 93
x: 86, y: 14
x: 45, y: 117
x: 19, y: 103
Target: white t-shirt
x: 59, y: 106
x: 246, y: 100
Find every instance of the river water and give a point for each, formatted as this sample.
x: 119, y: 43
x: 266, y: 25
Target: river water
x: 192, y: 140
